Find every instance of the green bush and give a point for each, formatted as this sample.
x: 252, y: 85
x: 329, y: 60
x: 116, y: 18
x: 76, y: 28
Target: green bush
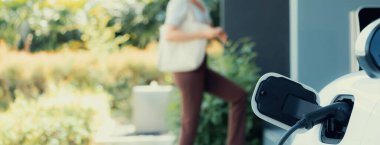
x: 104, y: 25
x: 34, y: 74
x: 62, y: 119
x: 39, y: 25
x: 236, y: 63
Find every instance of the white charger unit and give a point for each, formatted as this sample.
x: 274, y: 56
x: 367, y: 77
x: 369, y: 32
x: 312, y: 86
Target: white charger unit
x: 352, y: 102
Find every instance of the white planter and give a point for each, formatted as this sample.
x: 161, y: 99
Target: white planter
x: 149, y: 108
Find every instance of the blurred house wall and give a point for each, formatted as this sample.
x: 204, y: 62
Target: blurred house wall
x: 308, y: 40
x: 266, y: 22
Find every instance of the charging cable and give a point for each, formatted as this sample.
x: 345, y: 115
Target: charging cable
x: 340, y: 111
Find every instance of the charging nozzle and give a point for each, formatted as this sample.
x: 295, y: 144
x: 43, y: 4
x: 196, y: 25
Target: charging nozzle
x: 340, y: 111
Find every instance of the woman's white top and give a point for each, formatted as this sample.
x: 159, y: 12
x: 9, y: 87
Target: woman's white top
x: 176, y: 12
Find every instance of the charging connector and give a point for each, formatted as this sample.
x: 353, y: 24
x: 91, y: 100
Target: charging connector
x: 340, y: 111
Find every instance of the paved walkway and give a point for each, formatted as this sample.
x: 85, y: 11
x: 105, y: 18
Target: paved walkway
x: 124, y: 135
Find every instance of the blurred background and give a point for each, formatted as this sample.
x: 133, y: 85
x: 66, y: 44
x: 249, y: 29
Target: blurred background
x: 70, y: 72
x: 83, y: 72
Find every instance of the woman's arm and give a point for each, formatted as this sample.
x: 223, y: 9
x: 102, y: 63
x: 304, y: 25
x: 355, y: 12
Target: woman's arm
x: 175, y: 34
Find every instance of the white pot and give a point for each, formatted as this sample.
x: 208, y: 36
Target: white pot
x: 149, y: 108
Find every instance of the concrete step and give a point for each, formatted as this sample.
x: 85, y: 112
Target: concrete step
x: 125, y: 135
x: 165, y: 139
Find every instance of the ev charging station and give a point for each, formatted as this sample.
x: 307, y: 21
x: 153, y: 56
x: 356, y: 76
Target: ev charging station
x: 322, y: 38
x: 344, y: 112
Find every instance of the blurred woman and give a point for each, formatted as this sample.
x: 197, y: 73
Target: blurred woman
x: 194, y: 83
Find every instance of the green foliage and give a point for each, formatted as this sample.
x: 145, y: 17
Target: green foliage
x: 105, y: 25
x: 37, y: 24
x: 236, y: 63
x: 142, y: 25
x: 33, y: 74
x: 52, y: 120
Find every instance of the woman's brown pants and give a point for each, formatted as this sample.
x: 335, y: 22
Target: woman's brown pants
x: 192, y: 85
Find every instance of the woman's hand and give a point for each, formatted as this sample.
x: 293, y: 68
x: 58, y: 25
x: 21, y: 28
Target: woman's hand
x: 223, y: 37
x: 215, y: 32
x: 212, y: 32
